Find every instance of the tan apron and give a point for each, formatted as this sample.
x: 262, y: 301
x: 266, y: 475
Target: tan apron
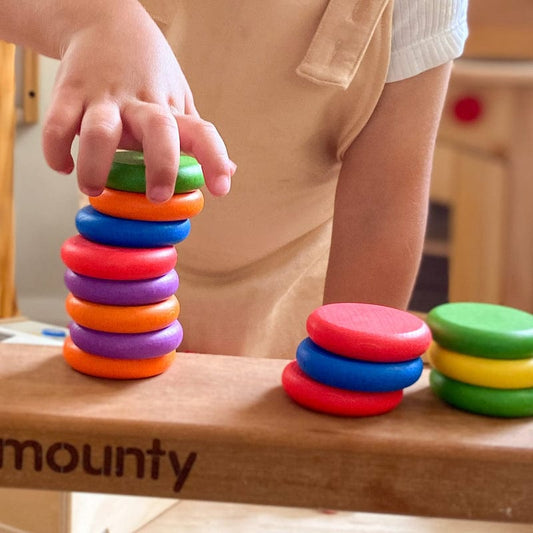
x: 289, y: 85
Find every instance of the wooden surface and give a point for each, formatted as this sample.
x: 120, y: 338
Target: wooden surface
x: 30, y: 86
x: 493, y: 73
x: 499, y: 29
x: 474, y: 186
x: 7, y: 135
x: 518, y: 288
x: 220, y: 428
x: 483, y: 172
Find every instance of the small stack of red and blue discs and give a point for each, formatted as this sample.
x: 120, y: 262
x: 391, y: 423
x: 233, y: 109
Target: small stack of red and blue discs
x: 121, y: 275
x: 482, y: 358
x: 357, y: 359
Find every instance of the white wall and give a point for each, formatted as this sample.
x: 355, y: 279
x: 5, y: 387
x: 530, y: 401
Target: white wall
x: 45, y: 206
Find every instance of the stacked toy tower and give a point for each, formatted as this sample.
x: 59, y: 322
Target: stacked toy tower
x: 121, y: 273
x: 482, y: 358
x: 357, y: 359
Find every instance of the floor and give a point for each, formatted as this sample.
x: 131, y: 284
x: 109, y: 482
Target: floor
x: 202, y: 517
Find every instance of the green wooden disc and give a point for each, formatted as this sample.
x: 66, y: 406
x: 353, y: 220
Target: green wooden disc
x: 508, y: 403
x: 128, y: 173
x: 485, y: 330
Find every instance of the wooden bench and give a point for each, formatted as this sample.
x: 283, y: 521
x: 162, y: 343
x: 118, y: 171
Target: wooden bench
x: 220, y: 428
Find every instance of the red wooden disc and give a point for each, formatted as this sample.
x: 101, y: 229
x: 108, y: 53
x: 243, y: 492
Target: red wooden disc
x: 318, y: 397
x: 110, y: 262
x: 369, y: 332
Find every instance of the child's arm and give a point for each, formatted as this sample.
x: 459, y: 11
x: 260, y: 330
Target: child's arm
x: 118, y: 85
x: 382, y: 195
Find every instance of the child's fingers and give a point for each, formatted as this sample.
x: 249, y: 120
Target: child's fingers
x: 157, y: 131
x: 189, y: 106
x: 202, y: 140
x: 61, y: 125
x: 100, y: 132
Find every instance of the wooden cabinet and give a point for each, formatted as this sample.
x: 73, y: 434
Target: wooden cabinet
x: 484, y: 172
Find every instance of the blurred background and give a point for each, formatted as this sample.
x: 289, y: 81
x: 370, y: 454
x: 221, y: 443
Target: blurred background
x: 478, y: 244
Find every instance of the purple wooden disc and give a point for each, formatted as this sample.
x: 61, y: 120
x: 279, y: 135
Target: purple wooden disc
x: 127, y: 345
x: 119, y: 292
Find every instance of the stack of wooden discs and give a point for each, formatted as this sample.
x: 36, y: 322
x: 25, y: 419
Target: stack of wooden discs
x: 482, y: 358
x: 121, y: 276
x: 357, y: 359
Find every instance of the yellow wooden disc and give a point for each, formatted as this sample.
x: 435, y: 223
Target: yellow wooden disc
x: 493, y: 373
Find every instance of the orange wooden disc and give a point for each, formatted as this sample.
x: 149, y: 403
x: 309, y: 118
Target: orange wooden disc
x: 136, y: 206
x: 123, y: 318
x: 106, y: 367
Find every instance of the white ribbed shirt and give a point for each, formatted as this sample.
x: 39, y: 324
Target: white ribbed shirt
x: 425, y: 34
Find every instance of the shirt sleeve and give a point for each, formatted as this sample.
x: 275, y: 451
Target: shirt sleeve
x: 426, y: 34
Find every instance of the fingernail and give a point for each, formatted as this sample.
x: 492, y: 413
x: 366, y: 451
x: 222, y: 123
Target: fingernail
x: 225, y: 184
x: 91, y: 191
x: 232, y: 168
x: 220, y: 186
x: 158, y: 195
x: 66, y: 171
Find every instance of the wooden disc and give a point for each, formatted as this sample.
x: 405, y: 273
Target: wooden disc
x: 368, y: 332
x: 120, y: 292
x: 125, y: 318
x: 482, y: 371
x: 110, y: 262
x: 136, y: 206
x: 128, y: 173
x: 105, y: 367
x: 507, y: 403
x: 354, y: 374
x: 127, y: 345
x: 125, y: 233
x: 482, y: 329
x: 322, y: 398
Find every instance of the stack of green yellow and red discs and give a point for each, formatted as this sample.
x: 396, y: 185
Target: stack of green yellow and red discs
x: 357, y: 359
x: 121, y: 273
x: 482, y: 358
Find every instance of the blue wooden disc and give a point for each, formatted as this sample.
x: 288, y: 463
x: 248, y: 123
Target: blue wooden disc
x: 113, y: 231
x: 354, y: 374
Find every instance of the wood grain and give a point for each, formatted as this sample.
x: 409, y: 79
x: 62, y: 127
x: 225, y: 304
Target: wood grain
x: 221, y: 428
x: 7, y: 136
x: 30, y: 86
x: 519, y: 253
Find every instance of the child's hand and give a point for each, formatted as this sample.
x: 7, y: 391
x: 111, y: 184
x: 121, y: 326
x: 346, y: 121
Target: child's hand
x: 120, y: 86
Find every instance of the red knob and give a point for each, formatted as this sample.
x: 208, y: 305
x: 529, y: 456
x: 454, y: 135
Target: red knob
x: 467, y: 109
